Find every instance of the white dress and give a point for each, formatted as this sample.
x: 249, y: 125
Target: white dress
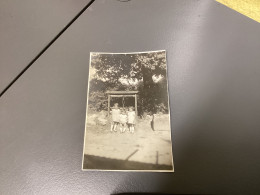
x: 131, y: 117
x: 123, y: 118
x: 115, y: 115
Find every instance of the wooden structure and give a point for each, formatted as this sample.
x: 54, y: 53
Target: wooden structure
x: 122, y: 94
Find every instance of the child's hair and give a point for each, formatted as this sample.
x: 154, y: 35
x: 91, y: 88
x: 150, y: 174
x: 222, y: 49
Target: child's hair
x: 131, y: 108
x: 115, y: 104
x: 123, y: 111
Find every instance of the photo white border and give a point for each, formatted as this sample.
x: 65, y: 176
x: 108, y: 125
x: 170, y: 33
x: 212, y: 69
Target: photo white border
x: 86, y: 114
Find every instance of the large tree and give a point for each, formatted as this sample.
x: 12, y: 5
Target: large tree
x: 145, y: 72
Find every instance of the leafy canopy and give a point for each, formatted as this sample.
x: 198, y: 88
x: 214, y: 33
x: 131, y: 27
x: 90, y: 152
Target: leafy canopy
x: 145, y: 72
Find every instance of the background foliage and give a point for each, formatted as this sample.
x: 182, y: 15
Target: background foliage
x: 145, y: 72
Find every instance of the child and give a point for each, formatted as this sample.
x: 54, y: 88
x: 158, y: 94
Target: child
x: 131, y: 119
x: 123, y: 120
x: 115, y: 117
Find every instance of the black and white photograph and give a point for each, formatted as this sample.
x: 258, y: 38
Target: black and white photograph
x: 128, y: 113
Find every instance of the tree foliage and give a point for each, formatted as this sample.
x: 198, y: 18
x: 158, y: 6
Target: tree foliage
x: 145, y: 72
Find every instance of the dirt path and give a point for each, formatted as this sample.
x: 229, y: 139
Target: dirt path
x: 144, y: 145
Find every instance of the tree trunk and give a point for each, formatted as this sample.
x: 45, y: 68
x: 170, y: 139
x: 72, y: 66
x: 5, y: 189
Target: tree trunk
x: 148, y: 90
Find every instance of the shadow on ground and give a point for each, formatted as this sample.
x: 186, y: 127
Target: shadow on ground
x: 96, y: 162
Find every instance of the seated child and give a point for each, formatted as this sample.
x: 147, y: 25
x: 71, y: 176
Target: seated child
x: 131, y: 119
x: 123, y: 120
x: 115, y: 117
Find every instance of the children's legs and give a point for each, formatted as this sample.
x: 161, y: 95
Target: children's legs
x: 124, y: 127
x: 121, y: 127
x: 112, y: 126
x: 132, y: 128
x: 115, y: 125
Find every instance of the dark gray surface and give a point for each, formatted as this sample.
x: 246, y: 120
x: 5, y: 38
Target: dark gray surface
x: 26, y: 27
x: 214, y: 73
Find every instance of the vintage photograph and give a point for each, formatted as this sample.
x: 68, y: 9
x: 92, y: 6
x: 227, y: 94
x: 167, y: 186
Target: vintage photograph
x: 128, y: 113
